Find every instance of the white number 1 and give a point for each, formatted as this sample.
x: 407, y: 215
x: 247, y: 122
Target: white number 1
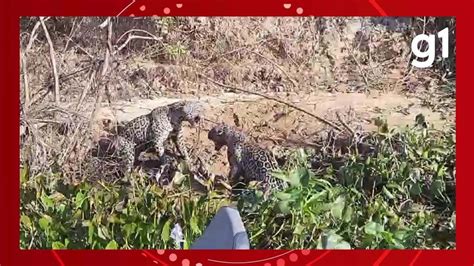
x: 444, y: 36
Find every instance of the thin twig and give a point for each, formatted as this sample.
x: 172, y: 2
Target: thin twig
x: 33, y: 35
x: 274, y: 99
x: 345, y: 124
x: 53, y: 61
x: 62, y: 78
x: 133, y: 37
x: 138, y: 30
x: 295, y: 84
x: 73, y: 29
x: 78, y: 46
x: 244, y: 47
x: 86, y: 88
x: 73, y: 142
x: 25, y: 81
x: 105, y: 67
x: 359, y: 66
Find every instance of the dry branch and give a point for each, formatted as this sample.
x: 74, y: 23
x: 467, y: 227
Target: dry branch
x: 69, y: 39
x: 33, y: 35
x: 295, y: 84
x: 87, y: 88
x: 244, y: 47
x: 131, y: 36
x: 73, y: 29
x: 53, y: 61
x: 273, y: 99
x: 25, y: 81
x: 105, y: 67
x: 345, y: 124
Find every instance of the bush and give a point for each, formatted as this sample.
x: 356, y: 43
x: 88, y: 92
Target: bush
x: 401, y: 196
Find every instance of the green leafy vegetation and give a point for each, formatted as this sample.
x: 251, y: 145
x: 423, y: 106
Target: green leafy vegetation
x: 401, y: 196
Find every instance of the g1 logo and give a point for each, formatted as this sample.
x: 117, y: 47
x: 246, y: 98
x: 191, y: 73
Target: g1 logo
x: 430, y: 50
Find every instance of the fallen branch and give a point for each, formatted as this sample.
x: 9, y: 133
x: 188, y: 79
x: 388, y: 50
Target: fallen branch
x: 273, y: 99
x: 53, y: 61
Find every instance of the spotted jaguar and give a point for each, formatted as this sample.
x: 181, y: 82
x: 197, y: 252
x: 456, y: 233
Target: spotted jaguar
x: 156, y: 127
x: 246, y: 159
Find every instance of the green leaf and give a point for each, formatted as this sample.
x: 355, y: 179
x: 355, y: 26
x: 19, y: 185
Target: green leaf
x: 284, y: 207
x: 79, y: 200
x: 298, y: 229
x: 283, y: 196
x: 396, y: 186
x: 295, y: 176
x: 194, y: 225
x: 26, y: 221
x: 400, y: 235
x: 114, y: 219
x: 415, y: 189
x: 90, y: 232
x: 61, y: 208
x: 112, y: 245
x: 342, y: 245
x: 47, y: 202
x: 441, y: 171
x: 331, y: 240
x: 338, y: 207
x: 373, y: 228
x: 129, y: 229
x: 58, y: 245
x: 388, y: 193
x: 348, y: 214
x: 165, y: 232
x: 44, y: 222
x: 438, y: 187
x: 323, y: 183
x: 23, y: 174
x: 304, y: 174
x: 102, y: 232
